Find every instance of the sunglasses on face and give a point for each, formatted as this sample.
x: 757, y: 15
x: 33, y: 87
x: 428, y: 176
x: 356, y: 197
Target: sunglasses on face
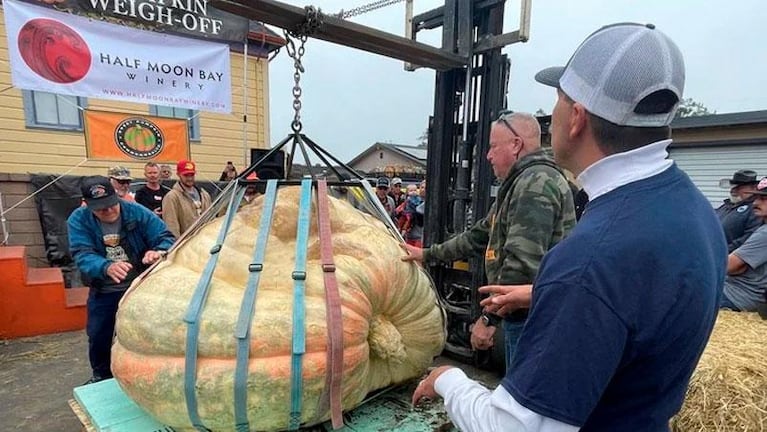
x: 123, y: 182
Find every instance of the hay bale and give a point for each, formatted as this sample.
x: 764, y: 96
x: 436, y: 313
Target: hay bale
x: 728, y: 390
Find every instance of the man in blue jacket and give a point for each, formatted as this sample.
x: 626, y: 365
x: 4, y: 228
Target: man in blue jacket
x: 112, y: 241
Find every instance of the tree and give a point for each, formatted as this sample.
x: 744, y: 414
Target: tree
x: 423, y: 140
x: 541, y: 113
x: 691, y: 108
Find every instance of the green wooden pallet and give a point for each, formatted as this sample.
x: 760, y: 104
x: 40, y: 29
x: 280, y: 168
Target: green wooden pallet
x: 109, y: 409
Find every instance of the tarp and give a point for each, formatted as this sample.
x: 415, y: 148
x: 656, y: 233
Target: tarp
x: 54, y: 205
x: 72, y: 55
x: 119, y: 136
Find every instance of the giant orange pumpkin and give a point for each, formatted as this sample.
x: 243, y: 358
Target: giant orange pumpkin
x: 392, y: 324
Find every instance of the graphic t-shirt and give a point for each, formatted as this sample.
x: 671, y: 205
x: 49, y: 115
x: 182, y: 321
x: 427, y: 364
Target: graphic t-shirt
x: 150, y: 198
x: 116, y: 251
x: 194, y: 194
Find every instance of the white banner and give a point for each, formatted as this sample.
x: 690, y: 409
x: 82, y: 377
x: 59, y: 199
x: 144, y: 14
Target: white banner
x: 67, y: 54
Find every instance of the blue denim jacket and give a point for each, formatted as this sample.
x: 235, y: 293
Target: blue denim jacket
x: 143, y: 230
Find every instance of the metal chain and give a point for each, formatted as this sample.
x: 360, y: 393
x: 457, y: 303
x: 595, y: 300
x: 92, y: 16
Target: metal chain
x: 366, y: 8
x: 301, y: 32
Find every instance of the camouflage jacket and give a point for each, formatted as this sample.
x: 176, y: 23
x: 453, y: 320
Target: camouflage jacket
x: 532, y: 213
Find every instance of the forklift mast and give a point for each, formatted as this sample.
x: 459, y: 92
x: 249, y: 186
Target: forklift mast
x: 460, y: 179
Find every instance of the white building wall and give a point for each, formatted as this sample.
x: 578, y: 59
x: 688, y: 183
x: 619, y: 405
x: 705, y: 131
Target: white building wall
x: 707, y: 165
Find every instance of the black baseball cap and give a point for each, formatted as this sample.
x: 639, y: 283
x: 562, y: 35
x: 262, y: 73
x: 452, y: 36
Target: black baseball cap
x: 98, y: 193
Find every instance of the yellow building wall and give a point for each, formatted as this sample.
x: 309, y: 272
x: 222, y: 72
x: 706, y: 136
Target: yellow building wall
x: 223, y: 137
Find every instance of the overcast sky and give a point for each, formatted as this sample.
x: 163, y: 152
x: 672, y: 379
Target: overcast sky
x: 353, y: 99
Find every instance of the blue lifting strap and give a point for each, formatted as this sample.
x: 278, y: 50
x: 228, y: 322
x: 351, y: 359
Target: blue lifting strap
x: 244, y: 320
x: 193, y: 312
x: 299, y: 306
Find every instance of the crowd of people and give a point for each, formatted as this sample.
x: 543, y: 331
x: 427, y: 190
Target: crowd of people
x: 743, y: 217
x: 405, y: 206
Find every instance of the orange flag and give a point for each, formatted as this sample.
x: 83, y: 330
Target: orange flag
x: 119, y: 136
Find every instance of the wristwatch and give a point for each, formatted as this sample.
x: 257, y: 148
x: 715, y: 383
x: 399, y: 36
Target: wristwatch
x: 490, y: 319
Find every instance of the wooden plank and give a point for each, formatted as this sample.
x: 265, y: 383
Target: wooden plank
x: 78, y: 410
x: 108, y: 408
x: 345, y: 33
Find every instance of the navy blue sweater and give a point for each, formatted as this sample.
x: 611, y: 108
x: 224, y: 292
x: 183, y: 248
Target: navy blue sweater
x: 622, y: 309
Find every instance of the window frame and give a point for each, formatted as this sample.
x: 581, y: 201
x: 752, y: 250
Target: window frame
x: 193, y: 123
x: 30, y: 113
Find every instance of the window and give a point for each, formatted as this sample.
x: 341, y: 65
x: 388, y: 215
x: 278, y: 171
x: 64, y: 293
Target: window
x: 193, y: 120
x: 53, y: 111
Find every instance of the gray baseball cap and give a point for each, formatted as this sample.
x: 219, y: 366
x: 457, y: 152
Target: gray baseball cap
x: 616, y: 68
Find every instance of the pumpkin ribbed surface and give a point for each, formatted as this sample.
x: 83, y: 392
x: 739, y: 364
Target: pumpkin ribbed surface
x: 392, y: 325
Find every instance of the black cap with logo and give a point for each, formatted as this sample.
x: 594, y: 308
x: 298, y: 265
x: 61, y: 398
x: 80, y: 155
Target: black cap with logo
x: 98, y: 193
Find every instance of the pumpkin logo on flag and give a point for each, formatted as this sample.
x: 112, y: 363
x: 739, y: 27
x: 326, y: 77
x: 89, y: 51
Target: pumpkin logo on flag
x: 54, y: 50
x: 139, y: 138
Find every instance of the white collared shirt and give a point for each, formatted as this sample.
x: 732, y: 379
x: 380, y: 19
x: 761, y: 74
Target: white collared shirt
x: 474, y: 408
x: 621, y: 169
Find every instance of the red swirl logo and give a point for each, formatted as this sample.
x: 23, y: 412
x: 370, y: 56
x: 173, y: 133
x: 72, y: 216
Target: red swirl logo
x: 54, y: 50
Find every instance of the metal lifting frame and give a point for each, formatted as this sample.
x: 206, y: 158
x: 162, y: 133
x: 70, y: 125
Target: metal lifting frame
x: 471, y: 80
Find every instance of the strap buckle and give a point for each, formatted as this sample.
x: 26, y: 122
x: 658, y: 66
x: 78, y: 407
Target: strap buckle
x: 329, y: 268
x: 299, y: 275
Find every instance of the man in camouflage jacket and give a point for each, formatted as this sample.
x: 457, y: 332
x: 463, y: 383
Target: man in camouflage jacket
x: 532, y: 212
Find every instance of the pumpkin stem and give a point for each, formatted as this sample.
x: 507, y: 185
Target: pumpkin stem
x: 386, y: 341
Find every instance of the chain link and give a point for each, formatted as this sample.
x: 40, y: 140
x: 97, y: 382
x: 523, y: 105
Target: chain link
x: 313, y: 21
x: 365, y: 8
x: 301, y: 33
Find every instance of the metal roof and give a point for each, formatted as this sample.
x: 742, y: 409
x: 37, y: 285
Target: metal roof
x: 258, y: 32
x: 714, y: 120
x: 415, y: 153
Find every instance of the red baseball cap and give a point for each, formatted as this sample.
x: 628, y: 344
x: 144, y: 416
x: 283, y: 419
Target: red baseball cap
x: 185, y: 167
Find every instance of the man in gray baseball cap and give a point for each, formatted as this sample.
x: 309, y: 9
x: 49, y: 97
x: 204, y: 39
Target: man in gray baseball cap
x: 744, y: 288
x: 623, y: 307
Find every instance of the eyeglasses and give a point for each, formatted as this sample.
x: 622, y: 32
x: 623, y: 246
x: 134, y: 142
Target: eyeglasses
x: 123, y: 182
x: 502, y: 119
